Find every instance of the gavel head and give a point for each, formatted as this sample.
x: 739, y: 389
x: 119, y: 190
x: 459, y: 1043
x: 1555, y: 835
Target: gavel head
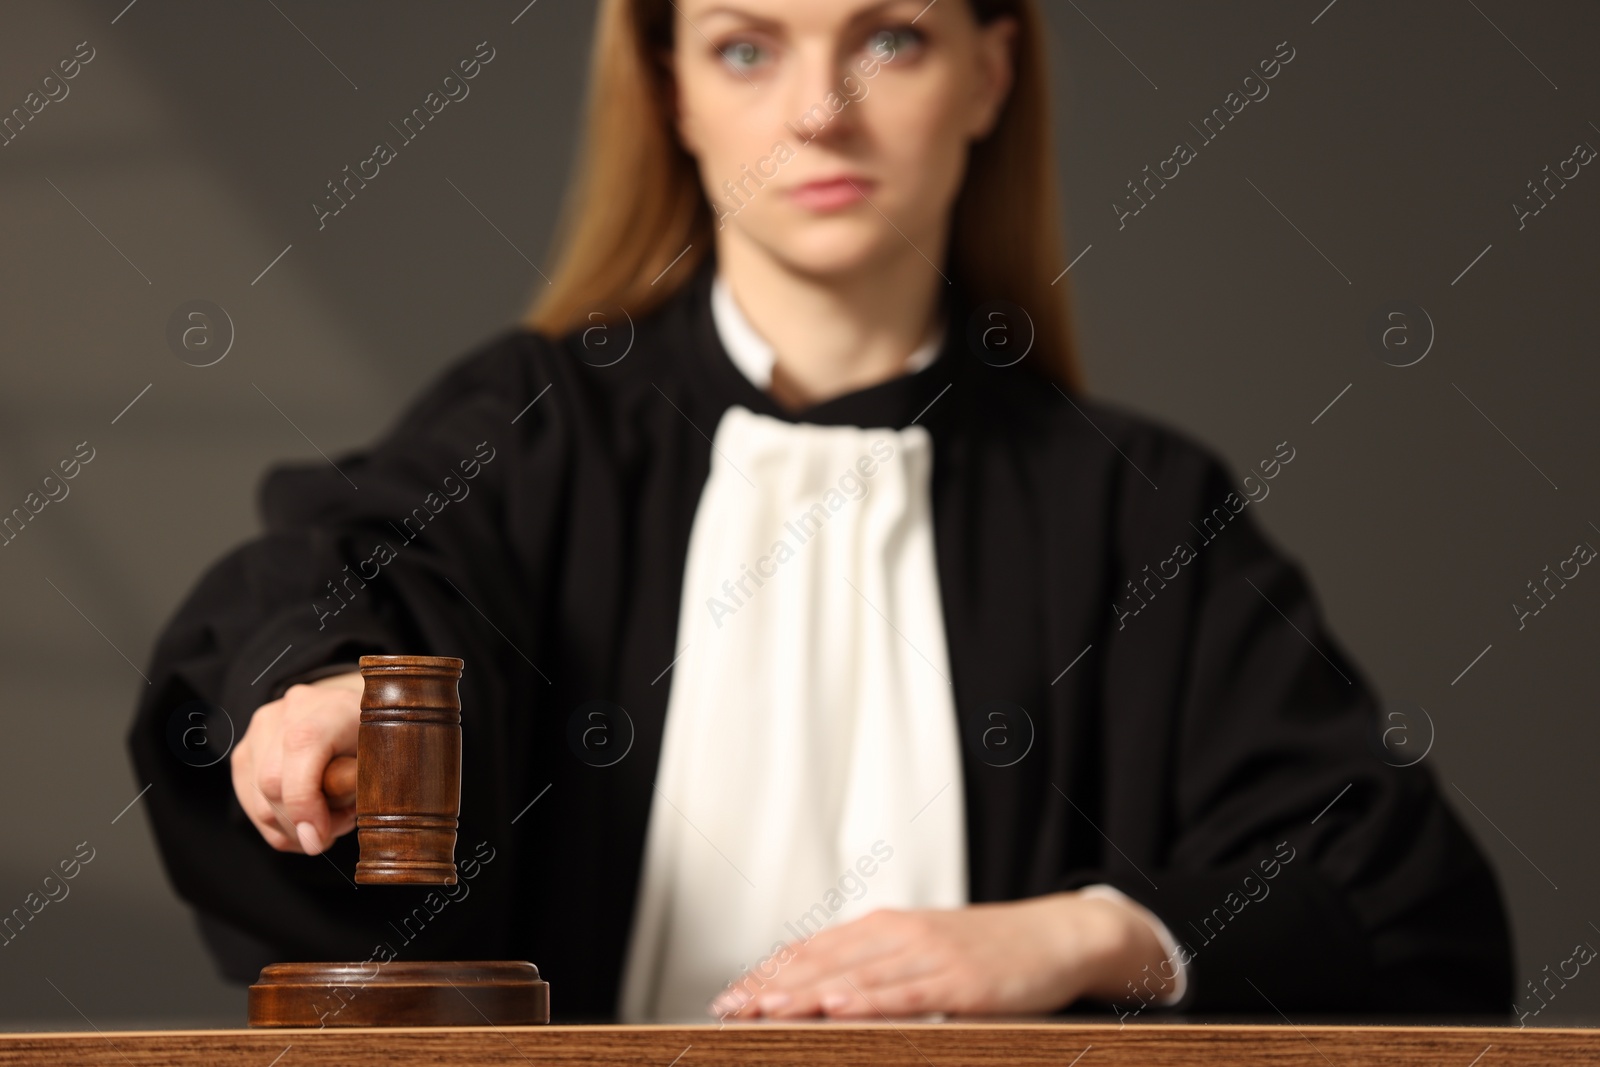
x: 408, y: 770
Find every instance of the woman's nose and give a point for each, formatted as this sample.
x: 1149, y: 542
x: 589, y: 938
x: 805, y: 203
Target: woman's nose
x: 819, y: 104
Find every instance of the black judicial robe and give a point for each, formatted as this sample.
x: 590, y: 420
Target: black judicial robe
x: 1181, y: 759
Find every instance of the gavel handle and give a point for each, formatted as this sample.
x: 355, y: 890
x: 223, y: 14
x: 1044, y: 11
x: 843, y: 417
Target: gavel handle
x: 339, y: 782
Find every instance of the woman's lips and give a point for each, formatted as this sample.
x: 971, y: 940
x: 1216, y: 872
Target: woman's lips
x: 833, y: 194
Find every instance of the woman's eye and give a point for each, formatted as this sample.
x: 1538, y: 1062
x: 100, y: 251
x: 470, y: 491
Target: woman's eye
x: 892, y: 43
x: 743, y: 56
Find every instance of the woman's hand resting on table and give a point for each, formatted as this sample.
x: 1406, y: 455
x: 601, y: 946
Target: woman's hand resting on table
x: 278, y: 763
x: 1021, y: 957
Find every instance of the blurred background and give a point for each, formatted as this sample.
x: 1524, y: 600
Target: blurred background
x: 1356, y: 264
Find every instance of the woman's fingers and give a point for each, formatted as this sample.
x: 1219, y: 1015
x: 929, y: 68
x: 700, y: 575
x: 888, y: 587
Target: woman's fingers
x: 307, y: 749
x: 269, y: 771
x: 938, y: 992
x: 854, y: 990
x: 874, y: 949
x: 278, y: 765
x: 245, y: 765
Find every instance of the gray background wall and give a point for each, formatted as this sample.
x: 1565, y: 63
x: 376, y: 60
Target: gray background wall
x: 1236, y: 305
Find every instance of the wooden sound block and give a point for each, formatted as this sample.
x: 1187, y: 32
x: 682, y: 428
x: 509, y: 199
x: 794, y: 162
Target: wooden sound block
x: 400, y: 993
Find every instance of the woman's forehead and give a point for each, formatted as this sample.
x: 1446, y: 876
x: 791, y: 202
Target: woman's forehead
x: 810, y: 14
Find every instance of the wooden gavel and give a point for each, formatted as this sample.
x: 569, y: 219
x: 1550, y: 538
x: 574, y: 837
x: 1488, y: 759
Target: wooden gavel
x: 339, y: 783
x: 405, y: 784
x: 405, y: 779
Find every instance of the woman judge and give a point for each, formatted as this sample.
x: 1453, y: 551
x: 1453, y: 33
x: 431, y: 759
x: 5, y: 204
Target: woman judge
x: 828, y: 651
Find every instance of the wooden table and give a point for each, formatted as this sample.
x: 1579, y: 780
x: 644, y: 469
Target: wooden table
x: 881, y: 1044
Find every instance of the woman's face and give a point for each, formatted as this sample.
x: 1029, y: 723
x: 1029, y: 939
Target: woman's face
x: 833, y: 134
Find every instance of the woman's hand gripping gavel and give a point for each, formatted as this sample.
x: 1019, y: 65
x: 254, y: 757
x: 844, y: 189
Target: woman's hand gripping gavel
x: 294, y: 770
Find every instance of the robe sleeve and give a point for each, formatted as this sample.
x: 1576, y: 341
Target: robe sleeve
x: 1299, y: 863
x: 400, y: 548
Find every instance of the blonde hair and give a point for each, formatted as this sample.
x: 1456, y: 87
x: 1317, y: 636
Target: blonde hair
x: 619, y: 233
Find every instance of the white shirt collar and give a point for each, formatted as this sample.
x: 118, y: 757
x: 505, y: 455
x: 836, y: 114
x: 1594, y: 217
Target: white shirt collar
x: 754, y: 357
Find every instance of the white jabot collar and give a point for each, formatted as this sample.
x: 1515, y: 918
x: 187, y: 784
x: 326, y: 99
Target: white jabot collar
x: 810, y: 768
x: 752, y: 354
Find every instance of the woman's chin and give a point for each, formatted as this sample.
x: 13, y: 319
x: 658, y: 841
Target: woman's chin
x: 837, y: 247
